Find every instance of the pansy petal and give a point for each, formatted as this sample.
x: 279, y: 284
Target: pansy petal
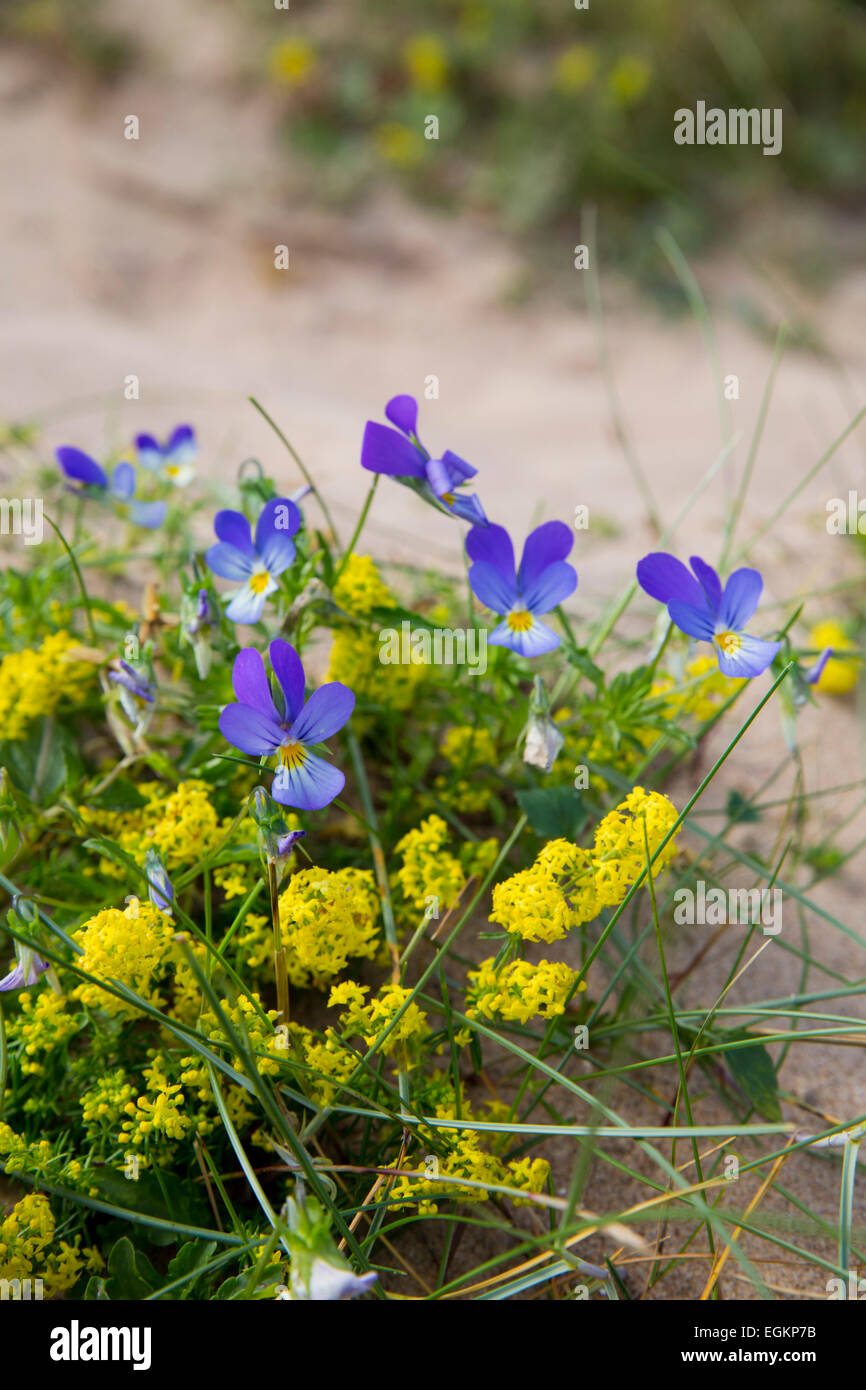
x: 751, y: 658
x: 229, y: 562
x: 491, y: 587
x: 439, y: 477
x: 149, y: 452
x: 80, y: 466
x: 250, y: 683
x: 290, y: 674
x: 544, y: 546
x: 250, y: 730
x: 665, y: 578
x: 247, y: 606
x: 458, y: 468
x: 492, y: 545
x: 182, y: 446
x: 402, y: 411
x: 740, y: 599
x: 149, y: 514
x: 276, y: 526
x: 467, y: 508
x: 550, y: 587
x: 387, y: 451
x: 535, y: 641
x: 123, y: 481
x: 709, y: 582
x: 234, y: 528
x: 326, y: 711
x: 695, y: 622
x: 309, y: 786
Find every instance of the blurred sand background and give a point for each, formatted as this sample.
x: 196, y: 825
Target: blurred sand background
x: 155, y: 258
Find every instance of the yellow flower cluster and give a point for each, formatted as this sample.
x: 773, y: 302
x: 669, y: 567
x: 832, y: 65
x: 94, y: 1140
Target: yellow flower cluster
x: 291, y: 62
x: 103, y: 1105
x: 518, y: 991
x: 179, y: 822
x: 326, y: 1056
x: 158, y: 1111
x: 33, y: 682
x: 328, y: 916
x: 625, y: 836
x: 369, y: 1021
x: 431, y: 870
x: 42, y: 1025
x: 28, y: 1248
x: 425, y: 62
x: 544, y: 902
x: 467, y: 750
x: 567, y: 886
x: 129, y: 946
x: 354, y: 656
x: 464, y: 1157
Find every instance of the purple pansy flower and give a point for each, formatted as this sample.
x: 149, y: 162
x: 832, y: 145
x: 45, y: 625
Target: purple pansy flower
x: 400, y: 453
x: 543, y: 580
x: 699, y: 606
x: 173, y: 460
x: 258, y: 728
x: 27, y: 970
x: 119, y: 489
x: 235, y: 556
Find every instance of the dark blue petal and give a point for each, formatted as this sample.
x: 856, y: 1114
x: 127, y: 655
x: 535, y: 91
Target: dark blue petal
x: 326, y: 711
x: 696, y: 622
x: 250, y: 683
x: 386, y: 451
x: 491, y: 587
x: 402, y: 411
x: 290, y: 674
x: 550, y: 587
x: 492, y: 544
x: 234, y: 529
x: 80, y: 466
x: 250, y: 730
x: 229, y: 562
x: 664, y: 577
x: 709, y: 582
x: 467, y: 508
x: 278, y: 522
x: 547, y: 543
x: 740, y: 599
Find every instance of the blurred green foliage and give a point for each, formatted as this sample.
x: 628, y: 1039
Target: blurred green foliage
x: 543, y: 107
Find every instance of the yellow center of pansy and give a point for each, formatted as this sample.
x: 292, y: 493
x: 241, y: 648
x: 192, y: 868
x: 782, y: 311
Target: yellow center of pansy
x: 292, y: 754
x: 172, y: 470
x: 449, y: 498
x: 730, y: 642
x: 520, y: 620
x: 259, y: 582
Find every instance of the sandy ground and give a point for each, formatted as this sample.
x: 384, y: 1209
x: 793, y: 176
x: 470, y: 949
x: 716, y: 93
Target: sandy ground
x: 155, y: 258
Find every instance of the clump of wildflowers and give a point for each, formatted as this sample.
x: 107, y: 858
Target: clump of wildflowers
x: 518, y: 991
x: 329, y: 917
x: 35, y: 681
x: 430, y: 870
x: 627, y: 837
x: 128, y: 946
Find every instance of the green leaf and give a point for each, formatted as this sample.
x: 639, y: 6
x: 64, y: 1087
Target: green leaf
x: 131, y: 1275
x: 191, y: 1256
x: 752, y: 1069
x: 553, y: 811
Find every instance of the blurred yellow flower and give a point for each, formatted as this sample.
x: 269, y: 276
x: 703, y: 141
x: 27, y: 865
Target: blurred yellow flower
x: 575, y: 68
x: 291, y: 62
x: 628, y: 80
x: 840, y: 674
x: 425, y: 62
x: 399, y: 145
